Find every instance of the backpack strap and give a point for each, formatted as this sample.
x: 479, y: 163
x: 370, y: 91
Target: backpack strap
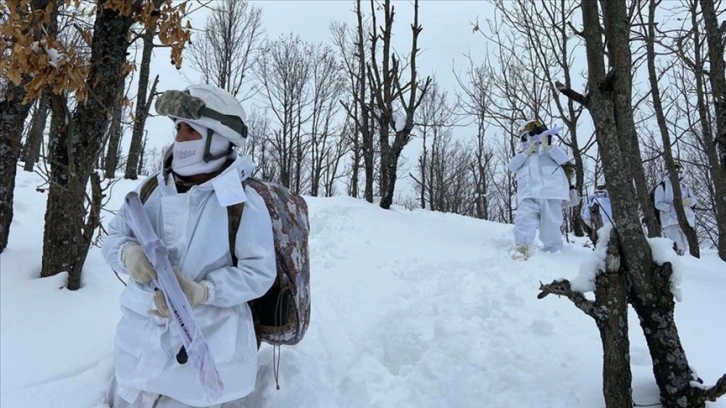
x: 234, y: 216
x: 148, y: 188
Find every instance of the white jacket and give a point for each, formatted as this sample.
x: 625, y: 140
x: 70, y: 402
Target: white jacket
x: 540, y: 175
x: 663, y: 198
x: 194, y: 228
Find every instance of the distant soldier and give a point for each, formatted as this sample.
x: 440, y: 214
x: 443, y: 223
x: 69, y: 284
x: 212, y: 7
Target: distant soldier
x: 542, y: 189
x: 597, y: 211
x: 663, y: 197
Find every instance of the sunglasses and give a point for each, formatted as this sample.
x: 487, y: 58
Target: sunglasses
x: 182, y: 104
x: 533, y: 128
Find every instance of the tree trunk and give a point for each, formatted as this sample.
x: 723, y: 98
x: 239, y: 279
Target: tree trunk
x: 12, y: 117
x: 616, y: 23
x: 115, y: 132
x: 355, y: 161
x: 715, y: 38
x: 389, y: 174
x: 657, y: 107
x: 368, y: 153
x: 75, y: 143
x: 611, y: 295
x: 608, y: 103
x: 387, y: 85
x: 670, y: 365
x: 31, y: 150
x: 650, y: 297
x: 610, y: 312
x: 142, y: 107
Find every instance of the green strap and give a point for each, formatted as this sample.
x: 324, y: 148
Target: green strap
x: 234, y: 216
x: 148, y: 188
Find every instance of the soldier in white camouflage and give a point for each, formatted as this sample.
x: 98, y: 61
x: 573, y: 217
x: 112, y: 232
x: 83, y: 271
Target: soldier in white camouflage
x: 189, y: 204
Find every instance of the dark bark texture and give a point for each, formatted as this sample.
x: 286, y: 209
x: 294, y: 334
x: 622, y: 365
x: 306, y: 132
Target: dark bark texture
x: 716, y: 40
x: 608, y: 102
x: 12, y: 118
x: 34, y: 139
x: 610, y: 312
x: 142, y: 107
x: 75, y: 143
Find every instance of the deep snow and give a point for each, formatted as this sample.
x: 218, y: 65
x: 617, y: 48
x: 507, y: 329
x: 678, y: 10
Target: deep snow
x: 409, y: 309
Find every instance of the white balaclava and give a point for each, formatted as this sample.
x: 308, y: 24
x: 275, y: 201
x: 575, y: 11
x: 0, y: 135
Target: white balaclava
x: 188, y: 158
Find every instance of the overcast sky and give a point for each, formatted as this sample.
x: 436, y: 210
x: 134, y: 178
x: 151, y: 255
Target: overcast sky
x: 446, y: 37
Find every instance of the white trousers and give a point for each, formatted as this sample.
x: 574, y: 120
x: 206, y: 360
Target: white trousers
x: 150, y: 400
x: 534, y: 213
x: 675, y: 233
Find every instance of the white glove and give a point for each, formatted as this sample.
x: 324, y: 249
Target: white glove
x: 530, y: 149
x: 137, y: 264
x: 196, y: 293
x: 687, y: 202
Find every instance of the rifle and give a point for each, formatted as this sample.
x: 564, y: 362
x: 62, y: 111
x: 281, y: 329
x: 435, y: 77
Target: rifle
x: 194, y: 346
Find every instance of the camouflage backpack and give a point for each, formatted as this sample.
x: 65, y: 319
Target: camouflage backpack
x: 281, y: 315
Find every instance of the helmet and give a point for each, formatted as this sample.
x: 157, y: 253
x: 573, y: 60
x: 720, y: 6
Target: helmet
x: 208, y: 106
x: 531, y: 128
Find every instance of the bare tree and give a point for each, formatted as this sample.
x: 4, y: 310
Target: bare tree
x: 474, y: 102
x: 225, y: 50
x: 434, y: 120
x: 143, y: 100
x: 327, y: 86
x: 336, y: 152
x: 355, y: 54
x: 695, y: 150
x: 647, y: 285
x: 716, y: 40
x: 34, y: 139
x: 392, y: 96
x: 259, y: 145
x: 284, y: 69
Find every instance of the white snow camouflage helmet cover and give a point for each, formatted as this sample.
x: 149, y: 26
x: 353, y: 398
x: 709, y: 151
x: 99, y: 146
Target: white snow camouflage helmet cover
x: 208, y: 106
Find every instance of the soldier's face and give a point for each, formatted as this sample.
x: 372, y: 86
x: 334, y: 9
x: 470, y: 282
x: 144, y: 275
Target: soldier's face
x: 186, y: 133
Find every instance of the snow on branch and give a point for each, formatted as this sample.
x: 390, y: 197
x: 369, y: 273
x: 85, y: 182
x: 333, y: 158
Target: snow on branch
x: 715, y: 392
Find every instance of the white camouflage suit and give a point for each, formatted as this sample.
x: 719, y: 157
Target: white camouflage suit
x: 194, y: 228
x: 542, y: 193
x: 601, y: 198
x: 663, y: 198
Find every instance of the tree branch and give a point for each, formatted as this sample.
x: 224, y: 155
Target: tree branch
x: 574, y: 95
x: 715, y: 392
x: 564, y: 288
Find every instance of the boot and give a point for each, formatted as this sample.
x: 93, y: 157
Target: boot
x: 521, y: 252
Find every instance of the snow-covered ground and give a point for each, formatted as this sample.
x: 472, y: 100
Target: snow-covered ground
x: 409, y: 309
